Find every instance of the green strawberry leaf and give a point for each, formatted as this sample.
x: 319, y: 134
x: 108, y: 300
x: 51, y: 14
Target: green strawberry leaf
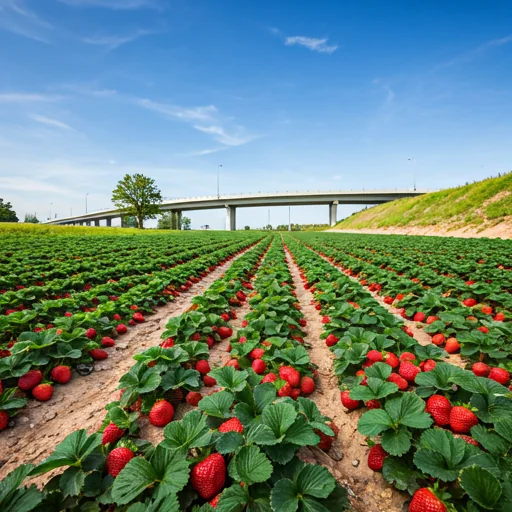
x: 135, y: 477
x: 482, y: 487
x: 229, y: 442
x: 252, y: 465
x: 398, y: 473
x: 190, y: 432
x: 14, y: 498
x: 408, y: 410
x: 301, y: 433
x: 232, y: 499
x: 284, y: 496
x: 218, y: 404
x: 180, y: 377
x: 229, y: 378
x: 72, y: 481
x: 260, y: 434
x: 264, y: 394
x: 374, y: 422
x: 279, y: 417
x: 315, y: 480
x: 490, y: 440
x: 379, y: 371
x: 440, y: 377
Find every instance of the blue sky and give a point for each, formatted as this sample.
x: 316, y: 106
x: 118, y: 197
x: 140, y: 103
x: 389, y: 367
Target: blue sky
x: 288, y: 95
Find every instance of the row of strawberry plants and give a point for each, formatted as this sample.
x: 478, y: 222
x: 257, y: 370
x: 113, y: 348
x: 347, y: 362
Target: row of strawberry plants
x: 439, y: 432
x: 478, y: 331
x: 36, y: 360
x: 217, y: 456
x: 39, y: 304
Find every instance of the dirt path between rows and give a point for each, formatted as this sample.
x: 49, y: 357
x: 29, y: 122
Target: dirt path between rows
x: 81, y: 403
x: 346, y: 460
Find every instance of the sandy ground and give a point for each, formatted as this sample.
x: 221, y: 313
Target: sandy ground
x: 501, y: 230
x: 80, y: 404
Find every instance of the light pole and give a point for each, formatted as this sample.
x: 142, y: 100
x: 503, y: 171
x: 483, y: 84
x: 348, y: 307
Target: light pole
x: 218, y: 181
x: 269, y: 219
x: 289, y: 218
x: 86, y: 201
x: 51, y: 211
x: 413, y: 160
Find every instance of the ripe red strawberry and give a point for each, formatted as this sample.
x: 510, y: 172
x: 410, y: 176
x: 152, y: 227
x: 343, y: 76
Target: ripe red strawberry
x: 203, y: 367
x: 399, y: 381
x: 240, y: 295
x: 462, y: 419
x: 295, y: 393
x: 408, y: 371
x: 134, y: 307
x: 4, y: 420
x: 400, y: 297
x: 285, y: 390
x: 270, y: 377
x: 98, y: 354
x: 469, y: 302
x: 245, y: 323
x: 331, y: 340
x: 468, y: 439
x: 499, y: 375
x: 302, y: 322
x: 116, y: 317
x: 131, y: 321
x: 408, y: 331
x: 326, y: 319
x: 161, y: 413
x: 388, y: 300
x: 107, y: 342
x: 138, y: 317
x: 259, y: 366
x: 61, y: 374
x: 438, y: 339
x: 307, y: 385
x: 290, y: 375
x: 431, y: 319
x: 225, y: 332
x: 376, y: 457
x: 483, y: 329
x: 232, y: 425
x: 428, y: 365
x: 348, y: 402
x: 407, y: 356
x: 167, y: 343
x: 487, y: 310
x: 424, y: 500
x: 481, y: 369
x: 233, y: 363
x: 318, y: 307
x: 121, y: 329
x: 391, y: 360
x: 90, y: 333
x: 117, y: 460
x: 374, y: 356
x: 213, y: 503
x: 30, y: 380
x: 209, y: 475
x: 452, y: 346
x: 111, y: 434
x: 193, y: 398
x: 419, y: 317
x: 68, y: 314
x: 43, y: 392
x: 225, y: 317
x: 257, y: 353
x: 499, y: 317
x: 209, y: 381
x: 439, y: 407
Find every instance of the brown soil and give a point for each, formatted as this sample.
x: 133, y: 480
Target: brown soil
x: 500, y: 230
x: 81, y: 404
x: 368, y: 491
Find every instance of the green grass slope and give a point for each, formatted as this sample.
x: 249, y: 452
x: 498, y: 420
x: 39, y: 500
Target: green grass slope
x: 477, y: 206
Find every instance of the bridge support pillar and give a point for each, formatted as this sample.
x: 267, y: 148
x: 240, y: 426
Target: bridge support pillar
x: 97, y: 222
x: 333, y: 213
x: 230, y: 218
x: 175, y: 219
x: 88, y: 223
x: 109, y: 223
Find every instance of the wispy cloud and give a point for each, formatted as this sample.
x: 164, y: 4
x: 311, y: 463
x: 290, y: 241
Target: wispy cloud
x: 204, y: 152
x: 205, y: 119
x: 50, y: 122
x: 27, y: 184
x: 113, y: 42
x: 15, y: 17
x: 116, y: 5
x: 475, y: 52
x: 19, y: 97
x: 89, y: 90
x: 315, y: 45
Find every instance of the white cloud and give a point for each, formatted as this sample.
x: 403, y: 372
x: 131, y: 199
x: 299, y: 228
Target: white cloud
x: 116, y: 5
x: 89, y: 90
x: 316, y: 45
x: 220, y: 135
x: 25, y: 184
x: 188, y: 114
x: 204, y: 152
x: 15, y: 17
x: 113, y: 42
x: 19, y: 97
x: 50, y: 122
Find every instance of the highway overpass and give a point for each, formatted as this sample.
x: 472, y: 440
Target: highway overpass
x: 330, y: 198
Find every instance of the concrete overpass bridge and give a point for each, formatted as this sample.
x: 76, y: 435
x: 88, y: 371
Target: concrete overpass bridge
x: 231, y: 202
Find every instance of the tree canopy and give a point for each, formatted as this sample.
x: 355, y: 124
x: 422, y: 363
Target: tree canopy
x: 31, y: 218
x: 7, y: 214
x: 137, y: 195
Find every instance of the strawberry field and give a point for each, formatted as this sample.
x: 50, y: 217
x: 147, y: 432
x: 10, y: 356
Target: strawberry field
x: 311, y: 372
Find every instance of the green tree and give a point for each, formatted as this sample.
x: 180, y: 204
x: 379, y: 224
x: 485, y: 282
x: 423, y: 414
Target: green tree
x: 247, y: 228
x: 7, y: 214
x: 165, y: 221
x: 185, y: 223
x: 30, y: 218
x: 137, y: 195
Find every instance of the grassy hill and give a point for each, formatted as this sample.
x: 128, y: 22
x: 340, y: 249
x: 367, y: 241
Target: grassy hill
x: 478, y: 207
